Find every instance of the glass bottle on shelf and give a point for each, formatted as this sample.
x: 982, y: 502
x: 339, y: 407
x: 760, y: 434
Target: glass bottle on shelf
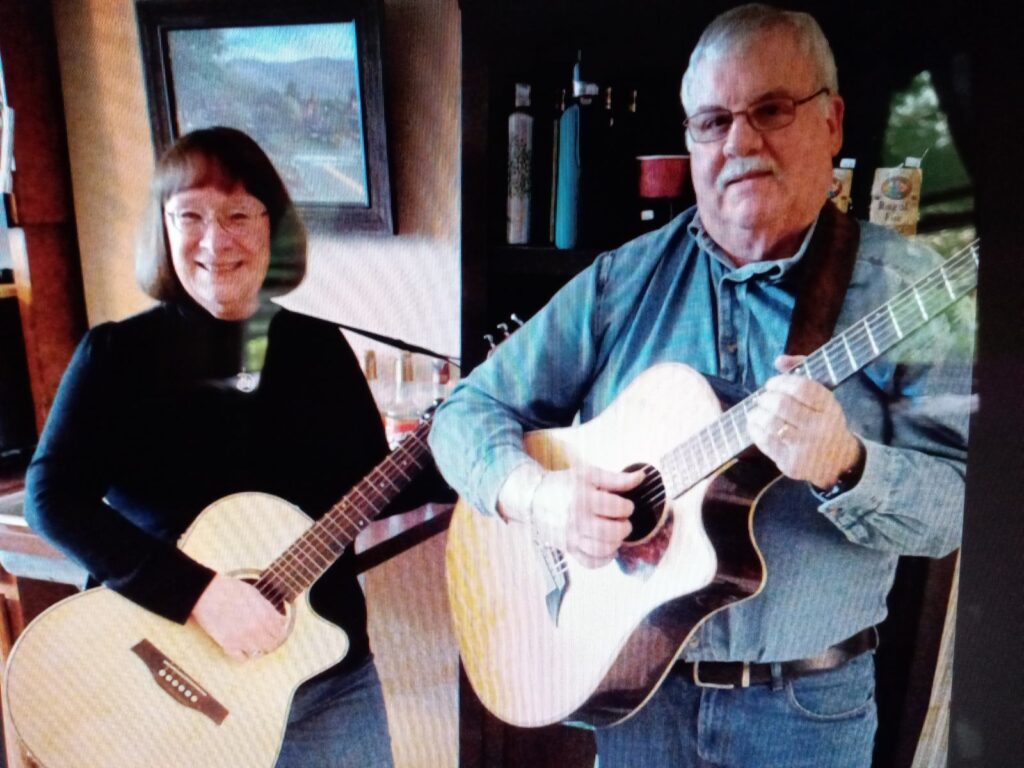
x: 440, y: 377
x: 377, y: 386
x: 552, y: 200
x: 520, y: 169
x: 402, y: 413
x: 575, y: 151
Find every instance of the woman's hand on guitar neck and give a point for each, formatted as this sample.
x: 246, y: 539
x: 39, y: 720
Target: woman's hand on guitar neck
x: 239, y: 619
x: 799, y: 424
x: 576, y: 510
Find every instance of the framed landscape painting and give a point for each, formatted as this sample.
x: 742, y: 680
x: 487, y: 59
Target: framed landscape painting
x: 303, y: 79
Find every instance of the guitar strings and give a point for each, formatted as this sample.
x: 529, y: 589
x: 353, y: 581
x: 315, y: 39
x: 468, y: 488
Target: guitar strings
x: 698, y: 456
x: 312, y: 553
x: 307, y: 546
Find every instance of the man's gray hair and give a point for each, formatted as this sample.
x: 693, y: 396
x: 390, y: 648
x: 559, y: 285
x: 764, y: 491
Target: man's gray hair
x: 738, y: 26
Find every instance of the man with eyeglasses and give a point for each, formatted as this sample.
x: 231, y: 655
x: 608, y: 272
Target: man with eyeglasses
x: 759, y: 272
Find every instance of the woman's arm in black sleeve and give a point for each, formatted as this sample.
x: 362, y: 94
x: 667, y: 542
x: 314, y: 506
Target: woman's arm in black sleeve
x: 70, y: 473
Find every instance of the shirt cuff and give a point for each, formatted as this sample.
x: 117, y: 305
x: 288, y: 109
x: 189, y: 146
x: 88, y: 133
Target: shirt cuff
x: 491, y: 475
x: 847, y: 479
x: 848, y: 509
x: 169, y: 584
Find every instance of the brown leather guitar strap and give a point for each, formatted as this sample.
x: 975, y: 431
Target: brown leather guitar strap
x: 823, y: 276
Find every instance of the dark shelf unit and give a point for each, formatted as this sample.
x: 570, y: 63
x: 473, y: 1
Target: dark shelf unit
x: 542, y: 260
x: 507, y: 41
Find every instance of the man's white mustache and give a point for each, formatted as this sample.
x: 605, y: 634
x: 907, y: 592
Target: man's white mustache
x: 740, y: 166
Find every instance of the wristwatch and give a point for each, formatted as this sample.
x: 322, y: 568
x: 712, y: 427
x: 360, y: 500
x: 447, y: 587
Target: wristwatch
x: 847, y: 479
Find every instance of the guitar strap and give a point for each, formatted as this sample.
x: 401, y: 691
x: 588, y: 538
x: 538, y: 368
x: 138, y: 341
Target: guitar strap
x: 823, y: 276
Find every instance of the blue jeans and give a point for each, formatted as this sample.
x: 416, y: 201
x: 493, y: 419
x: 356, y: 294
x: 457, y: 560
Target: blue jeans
x: 824, y: 720
x: 339, y: 722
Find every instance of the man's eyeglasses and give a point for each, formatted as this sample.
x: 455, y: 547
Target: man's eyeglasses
x: 764, y: 116
x: 236, y: 221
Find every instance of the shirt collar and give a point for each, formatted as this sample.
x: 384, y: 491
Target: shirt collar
x: 773, y: 270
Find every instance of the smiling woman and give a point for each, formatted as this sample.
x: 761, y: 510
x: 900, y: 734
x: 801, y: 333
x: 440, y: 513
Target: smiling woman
x: 163, y: 414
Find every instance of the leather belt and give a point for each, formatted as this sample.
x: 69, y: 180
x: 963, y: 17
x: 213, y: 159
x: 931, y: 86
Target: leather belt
x: 741, y: 674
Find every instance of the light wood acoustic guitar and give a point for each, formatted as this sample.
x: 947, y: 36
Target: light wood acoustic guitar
x: 544, y: 639
x: 98, y: 682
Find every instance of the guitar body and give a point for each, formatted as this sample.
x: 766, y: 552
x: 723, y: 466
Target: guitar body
x: 80, y: 694
x: 619, y: 627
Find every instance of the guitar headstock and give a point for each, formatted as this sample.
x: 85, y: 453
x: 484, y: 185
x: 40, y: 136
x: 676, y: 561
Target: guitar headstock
x: 504, y: 331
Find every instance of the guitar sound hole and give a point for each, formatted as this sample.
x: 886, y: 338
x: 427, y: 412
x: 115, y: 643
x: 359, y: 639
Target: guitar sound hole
x: 648, y: 503
x: 253, y: 580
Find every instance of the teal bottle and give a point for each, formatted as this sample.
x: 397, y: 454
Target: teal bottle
x: 573, y: 129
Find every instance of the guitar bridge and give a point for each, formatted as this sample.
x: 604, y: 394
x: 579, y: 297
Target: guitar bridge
x: 177, y: 683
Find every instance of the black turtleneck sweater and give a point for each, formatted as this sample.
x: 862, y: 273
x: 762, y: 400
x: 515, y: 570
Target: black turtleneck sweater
x: 149, y: 427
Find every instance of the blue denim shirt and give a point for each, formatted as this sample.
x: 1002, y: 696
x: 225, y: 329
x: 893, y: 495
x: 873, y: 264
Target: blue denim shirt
x: 672, y: 295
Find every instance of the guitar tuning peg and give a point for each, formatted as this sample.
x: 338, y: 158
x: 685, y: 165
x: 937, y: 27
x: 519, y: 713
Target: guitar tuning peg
x: 515, y: 319
x: 490, y: 340
x: 503, y: 327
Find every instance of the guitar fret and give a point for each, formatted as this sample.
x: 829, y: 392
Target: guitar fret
x: 678, y: 477
x: 316, y: 531
x: 356, y: 524
x: 313, y: 557
x: 739, y: 437
x: 326, y: 527
x: 895, y: 322
x: 291, y: 582
x: 849, y: 353
x: 949, y: 288
x: 828, y: 365
x: 361, y: 492
x: 389, y: 482
x: 813, y: 360
x: 693, y: 462
x: 714, y: 445
x: 920, y: 304
x: 703, y: 452
x: 303, y: 562
x: 871, y: 336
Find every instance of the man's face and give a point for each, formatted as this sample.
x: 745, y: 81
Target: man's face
x: 763, y: 187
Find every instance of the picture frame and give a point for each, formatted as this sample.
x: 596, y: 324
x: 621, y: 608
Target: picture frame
x: 304, y: 79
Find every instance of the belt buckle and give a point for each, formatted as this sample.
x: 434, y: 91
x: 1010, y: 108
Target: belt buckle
x: 744, y: 678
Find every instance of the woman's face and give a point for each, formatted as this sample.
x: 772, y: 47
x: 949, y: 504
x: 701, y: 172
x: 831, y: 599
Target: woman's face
x: 220, y: 248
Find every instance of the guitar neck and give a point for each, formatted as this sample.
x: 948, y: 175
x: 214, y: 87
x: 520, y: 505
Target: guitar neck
x: 863, y: 342
x: 317, y: 549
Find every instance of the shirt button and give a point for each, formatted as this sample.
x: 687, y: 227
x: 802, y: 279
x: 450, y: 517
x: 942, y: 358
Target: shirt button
x: 730, y: 347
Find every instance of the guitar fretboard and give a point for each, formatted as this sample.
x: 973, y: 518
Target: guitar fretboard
x: 316, y: 550
x: 835, y: 361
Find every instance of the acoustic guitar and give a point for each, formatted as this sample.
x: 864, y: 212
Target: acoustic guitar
x: 544, y: 639
x: 98, y: 682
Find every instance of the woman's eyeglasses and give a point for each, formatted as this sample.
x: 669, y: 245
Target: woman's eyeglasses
x: 235, y: 221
